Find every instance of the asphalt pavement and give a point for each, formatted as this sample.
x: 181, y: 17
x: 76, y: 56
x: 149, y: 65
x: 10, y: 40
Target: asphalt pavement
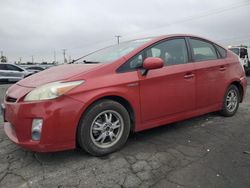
x: 206, y: 151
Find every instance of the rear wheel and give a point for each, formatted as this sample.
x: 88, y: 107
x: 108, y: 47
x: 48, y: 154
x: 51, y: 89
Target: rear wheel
x: 231, y: 101
x: 104, y: 128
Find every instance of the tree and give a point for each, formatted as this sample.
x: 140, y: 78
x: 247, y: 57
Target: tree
x: 3, y: 59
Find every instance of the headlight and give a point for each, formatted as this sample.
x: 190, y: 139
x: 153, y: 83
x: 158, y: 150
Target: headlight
x: 51, y: 90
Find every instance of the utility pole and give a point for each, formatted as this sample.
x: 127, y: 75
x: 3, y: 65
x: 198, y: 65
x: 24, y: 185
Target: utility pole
x: 54, y: 56
x: 1, y: 57
x: 64, y: 56
x: 69, y: 59
x: 20, y: 60
x: 118, y: 38
x: 32, y: 59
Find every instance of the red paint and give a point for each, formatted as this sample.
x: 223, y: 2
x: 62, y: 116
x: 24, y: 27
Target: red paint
x: 163, y: 95
x: 153, y: 63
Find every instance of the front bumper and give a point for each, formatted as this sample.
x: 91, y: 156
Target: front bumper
x: 60, y: 120
x: 30, y: 145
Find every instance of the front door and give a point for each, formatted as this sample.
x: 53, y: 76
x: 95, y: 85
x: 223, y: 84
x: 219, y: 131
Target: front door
x: 169, y: 90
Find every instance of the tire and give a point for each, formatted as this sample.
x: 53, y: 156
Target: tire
x: 100, y: 133
x: 232, y: 97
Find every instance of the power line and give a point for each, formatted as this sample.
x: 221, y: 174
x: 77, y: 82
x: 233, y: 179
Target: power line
x: 233, y: 38
x: 184, y: 20
x: 237, y: 41
x: 202, y: 15
x: 188, y: 19
x: 213, y: 12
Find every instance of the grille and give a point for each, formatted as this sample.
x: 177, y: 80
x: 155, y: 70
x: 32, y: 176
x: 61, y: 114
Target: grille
x: 10, y: 99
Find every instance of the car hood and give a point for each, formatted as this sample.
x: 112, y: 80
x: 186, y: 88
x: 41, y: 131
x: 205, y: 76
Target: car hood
x: 58, y: 73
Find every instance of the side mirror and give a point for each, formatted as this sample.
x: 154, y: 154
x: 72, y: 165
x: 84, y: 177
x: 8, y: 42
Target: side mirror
x: 151, y: 63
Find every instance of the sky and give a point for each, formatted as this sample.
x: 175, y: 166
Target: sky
x: 42, y: 28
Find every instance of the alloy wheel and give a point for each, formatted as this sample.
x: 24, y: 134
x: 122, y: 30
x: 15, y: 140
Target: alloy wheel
x: 231, y: 100
x: 106, y: 129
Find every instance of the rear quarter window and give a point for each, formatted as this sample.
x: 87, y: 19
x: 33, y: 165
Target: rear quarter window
x: 222, y: 51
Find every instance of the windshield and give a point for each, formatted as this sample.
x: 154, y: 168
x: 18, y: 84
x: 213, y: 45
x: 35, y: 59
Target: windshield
x: 112, y: 53
x: 235, y: 50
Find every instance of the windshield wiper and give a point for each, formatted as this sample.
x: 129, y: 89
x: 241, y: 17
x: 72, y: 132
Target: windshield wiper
x: 90, y: 62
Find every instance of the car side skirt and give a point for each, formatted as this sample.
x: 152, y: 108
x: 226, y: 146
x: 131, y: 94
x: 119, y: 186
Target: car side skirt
x: 178, y: 117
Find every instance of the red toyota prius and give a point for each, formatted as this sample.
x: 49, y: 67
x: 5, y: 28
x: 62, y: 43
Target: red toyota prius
x: 98, y: 100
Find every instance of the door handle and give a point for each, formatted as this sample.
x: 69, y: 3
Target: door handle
x: 222, y: 68
x: 189, y: 75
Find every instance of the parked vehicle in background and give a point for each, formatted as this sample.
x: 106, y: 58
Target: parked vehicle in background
x: 13, y: 73
x: 243, y: 52
x: 131, y: 86
x: 35, y: 69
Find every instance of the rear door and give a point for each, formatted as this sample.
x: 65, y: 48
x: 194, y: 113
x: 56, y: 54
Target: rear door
x: 211, y: 70
x: 169, y: 90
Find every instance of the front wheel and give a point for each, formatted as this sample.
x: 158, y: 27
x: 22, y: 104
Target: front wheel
x: 231, y: 101
x: 104, y: 128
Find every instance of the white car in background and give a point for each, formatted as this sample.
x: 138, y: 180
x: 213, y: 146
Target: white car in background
x: 12, y: 73
x: 243, y: 52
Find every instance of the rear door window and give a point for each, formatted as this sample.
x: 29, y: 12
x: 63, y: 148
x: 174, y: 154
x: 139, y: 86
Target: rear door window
x: 202, y: 50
